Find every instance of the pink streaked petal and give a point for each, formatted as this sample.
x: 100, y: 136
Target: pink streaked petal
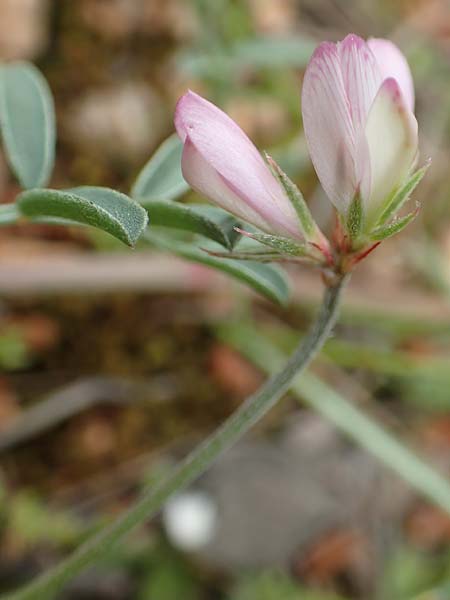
x: 392, y: 63
x: 361, y: 76
x: 203, y: 178
x: 391, y: 133
x: 328, y: 125
x: 222, y: 146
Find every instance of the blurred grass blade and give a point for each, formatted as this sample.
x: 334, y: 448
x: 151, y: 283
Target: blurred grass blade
x: 268, y: 280
x: 161, y: 178
x: 257, y: 53
x: 27, y: 119
x: 274, y: 585
x: 274, y: 52
x: 345, y: 416
x: 9, y: 214
x: 188, y: 218
x: 103, y: 208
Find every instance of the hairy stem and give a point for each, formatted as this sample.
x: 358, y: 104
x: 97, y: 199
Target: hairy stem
x: 152, y: 500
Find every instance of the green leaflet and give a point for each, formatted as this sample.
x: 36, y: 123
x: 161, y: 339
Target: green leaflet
x: 103, y: 208
x: 268, y: 280
x: 161, y: 178
x: 27, y: 119
x: 214, y: 224
x: 226, y: 221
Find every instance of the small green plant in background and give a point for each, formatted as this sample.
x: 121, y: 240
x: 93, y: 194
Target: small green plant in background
x: 14, y: 353
x: 275, y: 586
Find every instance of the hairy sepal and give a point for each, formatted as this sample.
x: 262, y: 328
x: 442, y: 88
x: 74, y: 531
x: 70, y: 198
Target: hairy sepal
x: 387, y: 231
x: 355, y: 218
x: 309, y: 227
x: 401, y: 196
x: 280, y: 244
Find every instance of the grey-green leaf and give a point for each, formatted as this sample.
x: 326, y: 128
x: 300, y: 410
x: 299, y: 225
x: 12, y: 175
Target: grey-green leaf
x: 161, y: 178
x: 103, y: 208
x: 225, y: 220
x: 27, y: 119
x: 187, y: 218
x: 268, y: 280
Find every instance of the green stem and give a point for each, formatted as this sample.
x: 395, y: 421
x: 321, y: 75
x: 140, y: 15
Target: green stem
x: 255, y: 407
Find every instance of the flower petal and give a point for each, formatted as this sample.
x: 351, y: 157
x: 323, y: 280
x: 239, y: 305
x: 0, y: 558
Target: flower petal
x: 328, y: 125
x: 226, y: 157
x: 361, y: 76
x: 392, y: 63
x: 203, y: 178
x: 391, y: 134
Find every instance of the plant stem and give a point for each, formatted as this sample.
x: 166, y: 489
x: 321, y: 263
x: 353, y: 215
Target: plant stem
x: 152, y: 500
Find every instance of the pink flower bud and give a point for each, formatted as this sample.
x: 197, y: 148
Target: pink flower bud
x: 357, y: 103
x: 220, y: 162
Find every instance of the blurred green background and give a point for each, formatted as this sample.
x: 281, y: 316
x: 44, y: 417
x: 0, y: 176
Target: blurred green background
x: 126, y: 359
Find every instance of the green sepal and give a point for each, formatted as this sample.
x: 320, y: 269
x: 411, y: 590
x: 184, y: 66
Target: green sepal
x: 355, y: 217
x: 400, y: 196
x: 386, y: 231
x: 281, y: 244
x: 307, y: 223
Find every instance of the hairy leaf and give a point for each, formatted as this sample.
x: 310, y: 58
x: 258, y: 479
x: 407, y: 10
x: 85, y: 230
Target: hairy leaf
x: 103, y: 208
x: 189, y: 218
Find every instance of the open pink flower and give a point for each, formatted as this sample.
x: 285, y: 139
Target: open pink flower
x: 220, y: 162
x: 357, y: 104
